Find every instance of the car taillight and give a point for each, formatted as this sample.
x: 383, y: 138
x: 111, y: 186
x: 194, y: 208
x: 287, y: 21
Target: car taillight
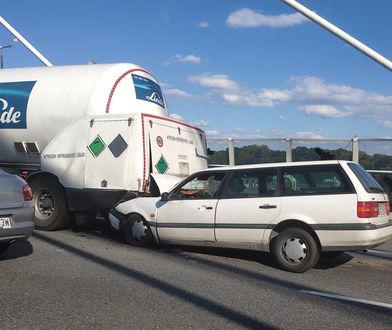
x: 367, y: 209
x: 27, y: 193
x: 372, y: 209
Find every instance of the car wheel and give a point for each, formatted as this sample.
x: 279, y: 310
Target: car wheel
x: 51, y: 211
x: 136, y: 231
x: 4, y: 247
x: 295, y: 250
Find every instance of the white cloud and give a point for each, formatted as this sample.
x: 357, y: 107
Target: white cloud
x: 176, y: 116
x: 323, y: 110
x: 239, y: 129
x: 264, y: 98
x: 203, y: 24
x: 216, y: 81
x: 307, y: 135
x: 174, y: 93
x: 248, y: 18
x: 190, y: 58
x: 211, y: 133
x: 201, y: 123
x: 387, y: 123
x: 311, y: 95
x: 177, y: 93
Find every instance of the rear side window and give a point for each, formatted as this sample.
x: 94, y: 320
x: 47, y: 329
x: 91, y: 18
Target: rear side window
x: 313, y: 180
x: 251, y: 183
x: 368, y: 182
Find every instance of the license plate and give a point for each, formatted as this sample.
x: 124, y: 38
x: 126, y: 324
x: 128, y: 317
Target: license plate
x: 382, y: 209
x: 5, y: 222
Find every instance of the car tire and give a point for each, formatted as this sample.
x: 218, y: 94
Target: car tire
x: 295, y: 250
x: 51, y: 212
x: 4, y: 247
x: 136, y: 231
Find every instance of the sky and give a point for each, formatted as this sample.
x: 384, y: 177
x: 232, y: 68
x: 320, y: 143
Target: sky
x: 241, y: 69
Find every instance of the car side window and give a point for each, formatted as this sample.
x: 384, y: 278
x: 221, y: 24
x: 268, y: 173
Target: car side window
x: 314, y: 180
x: 202, y: 186
x: 248, y: 184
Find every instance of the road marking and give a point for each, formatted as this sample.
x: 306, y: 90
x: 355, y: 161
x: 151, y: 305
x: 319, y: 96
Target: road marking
x: 345, y: 298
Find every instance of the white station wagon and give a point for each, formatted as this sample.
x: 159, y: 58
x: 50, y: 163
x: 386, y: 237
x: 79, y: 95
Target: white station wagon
x: 293, y: 210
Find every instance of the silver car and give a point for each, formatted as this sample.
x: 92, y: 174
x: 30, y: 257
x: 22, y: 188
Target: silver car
x: 16, y: 210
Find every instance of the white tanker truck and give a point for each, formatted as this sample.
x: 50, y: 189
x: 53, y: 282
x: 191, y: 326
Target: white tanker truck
x: 86, y: 136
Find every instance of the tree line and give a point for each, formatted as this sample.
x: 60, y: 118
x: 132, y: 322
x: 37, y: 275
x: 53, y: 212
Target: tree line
x: 256, y: 154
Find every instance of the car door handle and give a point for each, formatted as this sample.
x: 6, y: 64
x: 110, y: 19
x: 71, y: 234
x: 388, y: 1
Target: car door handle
x: 267, y: 206
x: 203, y: 207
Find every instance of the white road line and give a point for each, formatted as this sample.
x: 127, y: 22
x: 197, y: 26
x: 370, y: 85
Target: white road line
x: 345, y: 298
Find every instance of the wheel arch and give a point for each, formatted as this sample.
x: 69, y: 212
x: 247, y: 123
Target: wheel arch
x: 289, y: 223
x: 149, y: 224
x: 40, y: 174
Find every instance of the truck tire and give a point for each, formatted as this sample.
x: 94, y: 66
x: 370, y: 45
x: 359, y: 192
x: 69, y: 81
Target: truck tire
x: 295, y: 250
x: 51, y: 212
x: 136, y: 230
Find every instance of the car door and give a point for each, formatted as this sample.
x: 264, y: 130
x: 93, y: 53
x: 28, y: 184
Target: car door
x: 189, y: 212
x: 249, y: 202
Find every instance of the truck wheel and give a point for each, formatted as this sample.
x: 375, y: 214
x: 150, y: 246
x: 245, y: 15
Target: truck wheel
x: 4, y: 247
x: 136, y: 231
x: 51, y: 211
x: 295, y: 250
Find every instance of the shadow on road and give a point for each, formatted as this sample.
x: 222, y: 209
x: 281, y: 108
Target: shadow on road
x: 186, y: 296
x: 263, y: 258
x: 200, y: 301
x: 103, y: 229
x: 17, y: 250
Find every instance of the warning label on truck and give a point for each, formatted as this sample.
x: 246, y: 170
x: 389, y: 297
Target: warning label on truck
x: 97, y: 146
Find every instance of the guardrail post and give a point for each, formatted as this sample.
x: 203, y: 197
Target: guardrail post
x: 289, y: 150
x: 230, y: 142
x: 355, y: 142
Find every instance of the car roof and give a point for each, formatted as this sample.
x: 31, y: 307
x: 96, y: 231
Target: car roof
x: 269, y: 165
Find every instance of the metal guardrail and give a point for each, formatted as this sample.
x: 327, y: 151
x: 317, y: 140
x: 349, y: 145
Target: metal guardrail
x: 354, y: 142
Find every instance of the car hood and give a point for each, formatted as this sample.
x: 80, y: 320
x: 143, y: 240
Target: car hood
x: 165, y: 182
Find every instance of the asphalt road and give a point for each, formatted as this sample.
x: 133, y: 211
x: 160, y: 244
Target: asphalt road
x: 89, y: 279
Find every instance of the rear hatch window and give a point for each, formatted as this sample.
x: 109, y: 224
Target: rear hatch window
x: 368, y: 182
x: 11, y: 194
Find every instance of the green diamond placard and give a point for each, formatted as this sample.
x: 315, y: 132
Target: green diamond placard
x: 162, y: 166
x: 97, y: 146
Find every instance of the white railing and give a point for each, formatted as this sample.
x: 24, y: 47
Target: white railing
x: 352, y: 144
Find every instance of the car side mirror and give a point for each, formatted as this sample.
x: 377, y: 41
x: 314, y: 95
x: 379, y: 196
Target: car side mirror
x: 165, y: 196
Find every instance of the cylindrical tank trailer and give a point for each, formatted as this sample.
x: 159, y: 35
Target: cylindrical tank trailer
x: 38, y: 103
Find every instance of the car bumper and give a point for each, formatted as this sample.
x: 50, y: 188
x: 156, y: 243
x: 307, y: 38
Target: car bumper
x: 354, y: 239
x: 115, y: 218
x: 22, y: 224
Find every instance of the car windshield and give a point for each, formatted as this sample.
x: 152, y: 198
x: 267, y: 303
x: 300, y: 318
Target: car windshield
x: 368, y: 182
